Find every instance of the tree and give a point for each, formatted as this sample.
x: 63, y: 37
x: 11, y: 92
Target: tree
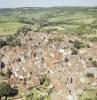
x: 40, y: 22
x: 5, y: 89
x: 94, y: 63
x: 3, y: 42
x: 2, y: 65
x: 9, y: 72
x: 74, y: 51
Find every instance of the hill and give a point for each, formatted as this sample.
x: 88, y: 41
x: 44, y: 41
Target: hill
x: 81, y: 21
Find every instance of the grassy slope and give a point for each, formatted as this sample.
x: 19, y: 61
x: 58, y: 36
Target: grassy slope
x: 61, y: 19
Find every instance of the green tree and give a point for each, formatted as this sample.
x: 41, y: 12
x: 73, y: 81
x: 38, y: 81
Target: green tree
x: 5, y: 89
x: 9, y: 72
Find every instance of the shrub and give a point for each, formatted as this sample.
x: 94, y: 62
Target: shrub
x: 9, y: 72
x: 78, y: 44
x: 44, y: 80
x: 2, y: 43
x: 5, y: 89
x: 74, y: 51
x: 94, y: 63
x: 90, y: 59
x: 93, y: 39
x: 1, y: 73
x: 90, y: 75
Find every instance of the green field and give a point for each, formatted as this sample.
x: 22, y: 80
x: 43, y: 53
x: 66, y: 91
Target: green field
x: 80, y: 21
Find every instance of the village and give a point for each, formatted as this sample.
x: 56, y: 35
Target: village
x: 69, y: 63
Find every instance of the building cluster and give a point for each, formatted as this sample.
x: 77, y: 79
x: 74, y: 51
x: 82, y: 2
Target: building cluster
x: 50, y: 54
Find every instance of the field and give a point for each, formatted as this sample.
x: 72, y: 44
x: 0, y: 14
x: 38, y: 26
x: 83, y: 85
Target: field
x: 78, y: 21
